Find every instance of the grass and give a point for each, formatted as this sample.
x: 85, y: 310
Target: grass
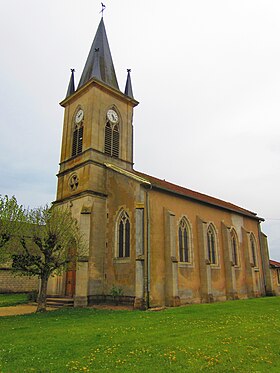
x: 236, y: 336
x: 13, y: 299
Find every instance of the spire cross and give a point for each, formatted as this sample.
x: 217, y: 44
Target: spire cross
x: 103, y: 8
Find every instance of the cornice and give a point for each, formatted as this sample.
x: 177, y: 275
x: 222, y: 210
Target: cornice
x: 103, y: 86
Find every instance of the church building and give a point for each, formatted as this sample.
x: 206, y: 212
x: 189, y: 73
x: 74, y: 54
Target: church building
x: 153, y: 242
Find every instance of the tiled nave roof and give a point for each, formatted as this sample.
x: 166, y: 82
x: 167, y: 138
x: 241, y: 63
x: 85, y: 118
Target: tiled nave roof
x: 274, y: 264
x: 167, y: 187
x: 190, y: 194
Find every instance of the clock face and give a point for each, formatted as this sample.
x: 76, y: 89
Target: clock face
x: 79, y: 116
x: 112, y: 116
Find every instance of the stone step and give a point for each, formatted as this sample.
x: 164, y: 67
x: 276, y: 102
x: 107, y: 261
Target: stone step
x: 60, y: 301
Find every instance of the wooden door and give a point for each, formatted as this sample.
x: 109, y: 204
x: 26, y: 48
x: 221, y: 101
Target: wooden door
x: 70, y: 283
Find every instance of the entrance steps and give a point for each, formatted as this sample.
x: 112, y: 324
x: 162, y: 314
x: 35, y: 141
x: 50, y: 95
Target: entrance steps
x: 59, y: 301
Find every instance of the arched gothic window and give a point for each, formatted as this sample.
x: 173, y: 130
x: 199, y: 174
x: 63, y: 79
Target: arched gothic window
x: 77, y: 144
x: 112, y: 139
x: 212, y: 245
x: 184, y: 238
x: 253, y: 250
x: 234, y: 247
x: 123, y: 233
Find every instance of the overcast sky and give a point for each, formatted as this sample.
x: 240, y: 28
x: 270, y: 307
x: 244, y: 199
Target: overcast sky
x: 206, y: 73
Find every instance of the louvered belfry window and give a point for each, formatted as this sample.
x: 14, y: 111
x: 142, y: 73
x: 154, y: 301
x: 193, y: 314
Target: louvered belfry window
x: 112, y: 139
x: 108, y: 138
x: 77, y: 144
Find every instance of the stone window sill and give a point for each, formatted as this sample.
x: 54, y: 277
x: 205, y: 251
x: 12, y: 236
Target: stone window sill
x: 121, y: 260
x: 185, y: 265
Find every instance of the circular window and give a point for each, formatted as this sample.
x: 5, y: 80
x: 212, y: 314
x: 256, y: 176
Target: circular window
x: 73, y: 182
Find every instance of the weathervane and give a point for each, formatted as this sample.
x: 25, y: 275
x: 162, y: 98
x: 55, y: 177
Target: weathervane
x: 103, y: 8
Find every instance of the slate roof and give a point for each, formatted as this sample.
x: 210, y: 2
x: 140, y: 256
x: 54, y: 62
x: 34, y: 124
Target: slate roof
x: 71, y: 86
x: 99, y: 63
x: 128, y: 85
x: 192, y: 195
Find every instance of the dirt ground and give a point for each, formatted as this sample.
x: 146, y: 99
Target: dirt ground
x: 20, y: 309
x: 23, y: 309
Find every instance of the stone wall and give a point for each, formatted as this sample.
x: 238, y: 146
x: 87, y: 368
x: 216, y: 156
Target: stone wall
x: 275, y: 281
x: 9, y: 283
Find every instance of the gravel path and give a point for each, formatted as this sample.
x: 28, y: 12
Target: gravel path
x: 20, y: 309
x: 23, y: 309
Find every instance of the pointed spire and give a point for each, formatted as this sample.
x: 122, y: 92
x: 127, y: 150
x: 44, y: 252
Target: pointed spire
x: 96, y: 65
x: 71, y: 86
x: 128, y: 85
x: 99, y: 63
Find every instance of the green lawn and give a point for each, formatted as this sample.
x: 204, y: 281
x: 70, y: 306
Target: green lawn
x: 237, y: 336
x: 13, y: 299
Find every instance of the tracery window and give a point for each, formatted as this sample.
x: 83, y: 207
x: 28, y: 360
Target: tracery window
x: 234, y: 247
x: 123, y: 233
x: 184, y: 239
x: 212, y: 245
x: 253, y: 250
x: 74, y: 182
x: 112, y: 139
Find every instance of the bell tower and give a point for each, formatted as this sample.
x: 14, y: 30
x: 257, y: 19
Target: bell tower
x: 97, y: 131
x: 97, y: 124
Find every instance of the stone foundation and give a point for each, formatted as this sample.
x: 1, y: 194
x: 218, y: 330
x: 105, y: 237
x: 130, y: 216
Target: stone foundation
x: 80, y: 301
x: 110, y: 299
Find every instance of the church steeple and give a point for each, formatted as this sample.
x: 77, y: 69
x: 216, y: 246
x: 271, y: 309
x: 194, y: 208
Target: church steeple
x: 99, y: 63
x: 71, y: 86
x: 97, y: 127
x: 128, y: 85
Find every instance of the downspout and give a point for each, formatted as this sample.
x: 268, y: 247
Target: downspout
x: 148, y: 262
x: 262, y: 255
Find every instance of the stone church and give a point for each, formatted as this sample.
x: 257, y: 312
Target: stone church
x: 154, y: 242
